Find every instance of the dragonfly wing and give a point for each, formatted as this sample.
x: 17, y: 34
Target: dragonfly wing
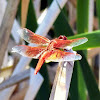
x: 31, y: 37
x: 55, y: 56
x: 27, y: 51
x: 59, y: 43
x: 59, y: 56
x: 79, y: 41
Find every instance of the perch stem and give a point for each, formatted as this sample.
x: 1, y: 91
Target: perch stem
x: 62, y: 81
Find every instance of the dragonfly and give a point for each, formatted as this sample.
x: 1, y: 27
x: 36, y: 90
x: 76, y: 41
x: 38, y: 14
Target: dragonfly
x: 55, y: 50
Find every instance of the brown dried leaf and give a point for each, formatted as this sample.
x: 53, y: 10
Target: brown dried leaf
x: 24, y: 10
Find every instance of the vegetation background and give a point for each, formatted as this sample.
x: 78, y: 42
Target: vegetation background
x: 78, y: 18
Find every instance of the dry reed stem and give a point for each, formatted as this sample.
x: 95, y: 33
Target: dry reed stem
x: 43, y: 28
x: 15, y: 79
x: 6, y: 26
x: 62, y: 81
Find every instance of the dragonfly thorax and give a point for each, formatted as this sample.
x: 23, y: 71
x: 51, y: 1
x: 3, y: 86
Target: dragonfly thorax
x: 51, y: 45
x: 54, y: 42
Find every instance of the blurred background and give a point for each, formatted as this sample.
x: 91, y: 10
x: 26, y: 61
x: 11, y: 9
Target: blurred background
x: 50, y: 18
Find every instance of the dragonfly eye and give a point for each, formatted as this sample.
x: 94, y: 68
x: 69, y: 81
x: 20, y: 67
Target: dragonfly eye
x: 62, y: 37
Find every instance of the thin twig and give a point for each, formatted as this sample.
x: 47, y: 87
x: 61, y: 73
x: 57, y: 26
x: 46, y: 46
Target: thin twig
x: 91, y: 15
x: 24, y: 11
x: 74, y: 2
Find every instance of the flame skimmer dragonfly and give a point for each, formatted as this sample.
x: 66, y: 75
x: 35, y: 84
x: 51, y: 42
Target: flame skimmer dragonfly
x: 48, y: 50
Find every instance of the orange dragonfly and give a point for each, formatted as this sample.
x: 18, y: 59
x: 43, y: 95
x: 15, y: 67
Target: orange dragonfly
x: 56, y: 50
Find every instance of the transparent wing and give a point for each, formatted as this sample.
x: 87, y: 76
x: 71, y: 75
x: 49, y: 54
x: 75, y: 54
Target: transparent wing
x: 27, y: 51
x: 31, y: 37
x: 55, y: 55
x: 59, y: 43
x: 59, y: 56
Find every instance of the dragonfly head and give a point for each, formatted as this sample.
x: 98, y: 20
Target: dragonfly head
x: 62, y: 37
